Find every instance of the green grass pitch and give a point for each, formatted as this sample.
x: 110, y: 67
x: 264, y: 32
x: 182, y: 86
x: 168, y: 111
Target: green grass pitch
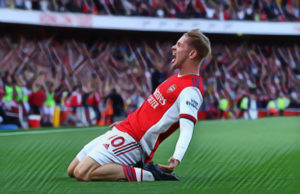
x: 238, y: 156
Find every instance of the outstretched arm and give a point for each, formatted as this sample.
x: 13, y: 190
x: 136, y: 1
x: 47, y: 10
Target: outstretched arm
x: 186, y: 132
x: 190, y: 100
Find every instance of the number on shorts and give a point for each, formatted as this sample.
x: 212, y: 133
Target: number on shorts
x: 118, y: 141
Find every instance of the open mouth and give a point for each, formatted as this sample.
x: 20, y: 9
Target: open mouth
x: 174, y: 58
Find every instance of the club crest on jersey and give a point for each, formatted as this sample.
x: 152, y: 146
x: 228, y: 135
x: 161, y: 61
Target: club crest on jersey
x: 172, y: 88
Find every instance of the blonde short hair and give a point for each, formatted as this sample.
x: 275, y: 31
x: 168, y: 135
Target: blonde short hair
x: 200, y: 42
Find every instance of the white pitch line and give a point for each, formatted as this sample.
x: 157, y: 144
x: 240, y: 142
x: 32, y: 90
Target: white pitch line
x: 47, y: 131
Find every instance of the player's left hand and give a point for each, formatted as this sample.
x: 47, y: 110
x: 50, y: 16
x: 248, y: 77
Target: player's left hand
x: 173, y: 163
x: 114, y: 124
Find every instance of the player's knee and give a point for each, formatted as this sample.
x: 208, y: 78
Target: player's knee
x: 81, y: 175
x: 72, y: 166
x: 70, y: 171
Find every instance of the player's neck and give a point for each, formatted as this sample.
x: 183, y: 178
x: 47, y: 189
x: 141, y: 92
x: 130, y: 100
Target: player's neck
x: 191, y: 69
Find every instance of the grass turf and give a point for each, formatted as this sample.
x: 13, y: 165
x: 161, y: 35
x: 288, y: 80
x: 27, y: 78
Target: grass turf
x: 238, y: 156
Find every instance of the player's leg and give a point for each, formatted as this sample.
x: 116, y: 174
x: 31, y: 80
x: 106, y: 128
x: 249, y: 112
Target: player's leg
x: 111, y: 159
x: 82, y: 154
x: 108, y: 172
x: 137, y: 174
x: 90, y: 170
x: 149, y: 172
x: 84, y: 168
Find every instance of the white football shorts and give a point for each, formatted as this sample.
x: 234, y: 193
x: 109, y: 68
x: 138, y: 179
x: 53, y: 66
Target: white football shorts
x: 113, y: 147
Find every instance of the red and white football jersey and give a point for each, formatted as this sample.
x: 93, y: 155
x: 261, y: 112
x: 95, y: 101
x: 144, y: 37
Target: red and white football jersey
x: 177, y: 97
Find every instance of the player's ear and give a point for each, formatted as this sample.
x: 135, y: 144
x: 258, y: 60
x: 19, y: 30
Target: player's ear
x: 193, y: 54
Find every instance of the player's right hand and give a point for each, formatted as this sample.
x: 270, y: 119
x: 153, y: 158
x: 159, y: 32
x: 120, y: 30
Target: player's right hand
x: 173, y: 163
x: 165, y: 168
x: 114, y: 124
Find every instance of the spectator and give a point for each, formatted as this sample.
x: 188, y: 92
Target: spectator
x: 44, y: 5
x: 223, y: 106
x: 118, y: 105
x: 36, y: 100
x: 28, y: 4
x: 157, y: 78
x: 95, y: 100
x: 244, y: 107
x: 282, y: 103
x: 49, y: 106
x: 271, y: 107
x: 257, y: 10
x: 253, y: 107
x: 3, y: 3
x: 35, y: 4
x: 8, y: 98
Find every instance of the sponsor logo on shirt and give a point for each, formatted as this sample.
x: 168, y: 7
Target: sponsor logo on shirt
x: 193, y: 103
x: 172, y: 88
x: 151, y: 100
x: 159, y: 97
x: 156, y: 99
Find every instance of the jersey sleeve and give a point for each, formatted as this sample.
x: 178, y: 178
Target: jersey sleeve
x: 190, y: 100
x: 186, y: 132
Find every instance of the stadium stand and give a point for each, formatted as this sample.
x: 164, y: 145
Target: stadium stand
x: 257, y: 10
x: 68, y: 79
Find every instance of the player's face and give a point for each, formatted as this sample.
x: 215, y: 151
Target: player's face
x: 180, y: 52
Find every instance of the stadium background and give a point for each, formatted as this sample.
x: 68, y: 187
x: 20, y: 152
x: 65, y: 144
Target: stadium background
x: 220, y: 158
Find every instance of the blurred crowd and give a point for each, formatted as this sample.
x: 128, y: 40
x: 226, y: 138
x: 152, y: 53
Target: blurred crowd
x: 257, y: 10
x: 105, y: 81
x: 261, y: 73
